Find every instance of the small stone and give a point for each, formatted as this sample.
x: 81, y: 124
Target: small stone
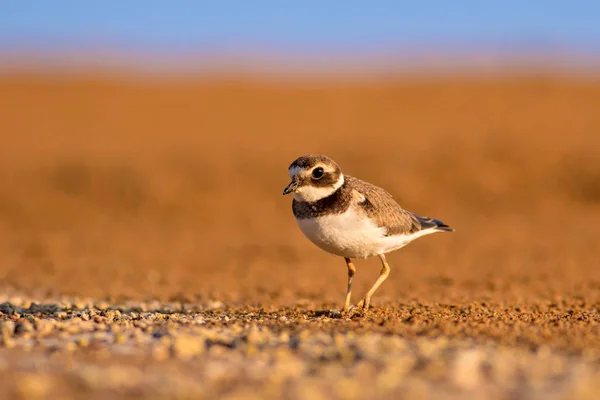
x: 35, y: 308
x: 214, y: 305
x: 7, y: 341
x: 467, y: 371
x: 73, y: 329
x: 100, y: 327
x: 187, y: 346
x: 7, y: 308
x: 140, y: 324
x: 159, y: 333
x: 44, y: 326
x: 120, y: 338
x: 23, y: 326
x: 7, y: 327
x: 60, y: 314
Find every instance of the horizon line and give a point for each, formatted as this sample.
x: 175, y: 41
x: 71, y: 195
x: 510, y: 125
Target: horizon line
x: 457, y: 59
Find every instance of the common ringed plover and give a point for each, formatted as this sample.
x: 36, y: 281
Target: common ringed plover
x: 351, y: 218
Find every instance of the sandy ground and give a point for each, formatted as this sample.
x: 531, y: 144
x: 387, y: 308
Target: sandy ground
x: 146, y: 250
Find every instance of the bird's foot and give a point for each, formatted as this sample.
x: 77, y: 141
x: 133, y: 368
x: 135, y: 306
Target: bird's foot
x: 346, y: 311
x: 358, y: 310
x: 363, y: 305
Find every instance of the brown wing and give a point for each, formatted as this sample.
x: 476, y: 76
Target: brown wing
x: 379, y: 205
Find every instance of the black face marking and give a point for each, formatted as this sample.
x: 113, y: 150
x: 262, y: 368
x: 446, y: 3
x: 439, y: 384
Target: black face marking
x: 321, y: 171
x: 328, y: 179
x: 335, y: 203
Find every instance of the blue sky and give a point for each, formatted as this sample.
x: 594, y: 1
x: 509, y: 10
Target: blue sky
x: 307, y: 25
x: 308, y: 32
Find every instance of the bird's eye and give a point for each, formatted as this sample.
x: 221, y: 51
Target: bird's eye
x: 318, y: 173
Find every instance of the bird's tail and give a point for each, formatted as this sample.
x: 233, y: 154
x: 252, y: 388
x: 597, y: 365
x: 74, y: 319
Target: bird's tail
x: 431, y: 223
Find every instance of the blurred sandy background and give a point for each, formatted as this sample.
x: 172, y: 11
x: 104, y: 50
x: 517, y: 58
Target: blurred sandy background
x: 116, y: 185
x: 146, y: 250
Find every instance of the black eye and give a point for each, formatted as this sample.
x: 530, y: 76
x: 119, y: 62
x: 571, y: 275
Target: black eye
x: 318, y: 173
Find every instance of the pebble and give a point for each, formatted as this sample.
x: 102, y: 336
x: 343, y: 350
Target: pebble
x: 291, y: 354
x: 120, y: 337
x: 187, y: 346
x: 60, y: 314
x: 23, y: 326
x: 7, y: 308
x: 7, y: 341
x: 7, y: 327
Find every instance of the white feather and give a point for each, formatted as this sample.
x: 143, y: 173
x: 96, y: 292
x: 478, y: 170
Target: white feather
x: 354, y: 235
x: 293, y: 171
x: 312, y: 193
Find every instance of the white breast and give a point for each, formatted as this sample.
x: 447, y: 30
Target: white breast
x: 348, y: 235
x: 353, y: 235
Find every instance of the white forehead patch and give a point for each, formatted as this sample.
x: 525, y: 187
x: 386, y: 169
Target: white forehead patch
x: 295, y: 170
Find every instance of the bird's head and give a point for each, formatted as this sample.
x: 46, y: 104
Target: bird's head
x: 313, y: 177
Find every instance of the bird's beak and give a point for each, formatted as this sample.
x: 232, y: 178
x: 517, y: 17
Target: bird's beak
x: 291, y: 187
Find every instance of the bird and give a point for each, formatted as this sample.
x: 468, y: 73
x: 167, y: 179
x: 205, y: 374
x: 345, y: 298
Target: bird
x: 351, y: 218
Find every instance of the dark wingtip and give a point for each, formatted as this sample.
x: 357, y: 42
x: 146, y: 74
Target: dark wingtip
x: 428, y: 223
x: 442, y: 227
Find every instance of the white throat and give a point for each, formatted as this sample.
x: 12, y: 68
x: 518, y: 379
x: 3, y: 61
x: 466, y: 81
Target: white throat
x: 311, y: 194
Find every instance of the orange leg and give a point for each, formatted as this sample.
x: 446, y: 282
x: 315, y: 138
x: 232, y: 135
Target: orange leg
x: 385, y: 271
x: 351, y: 272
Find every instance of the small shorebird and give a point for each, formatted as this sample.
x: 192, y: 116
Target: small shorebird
x: 351, y: 218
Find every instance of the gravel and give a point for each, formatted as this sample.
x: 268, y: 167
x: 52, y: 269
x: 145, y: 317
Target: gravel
x: 73, y: 348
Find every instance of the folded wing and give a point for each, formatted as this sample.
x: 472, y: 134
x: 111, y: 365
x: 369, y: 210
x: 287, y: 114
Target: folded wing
x: 380, y: 206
